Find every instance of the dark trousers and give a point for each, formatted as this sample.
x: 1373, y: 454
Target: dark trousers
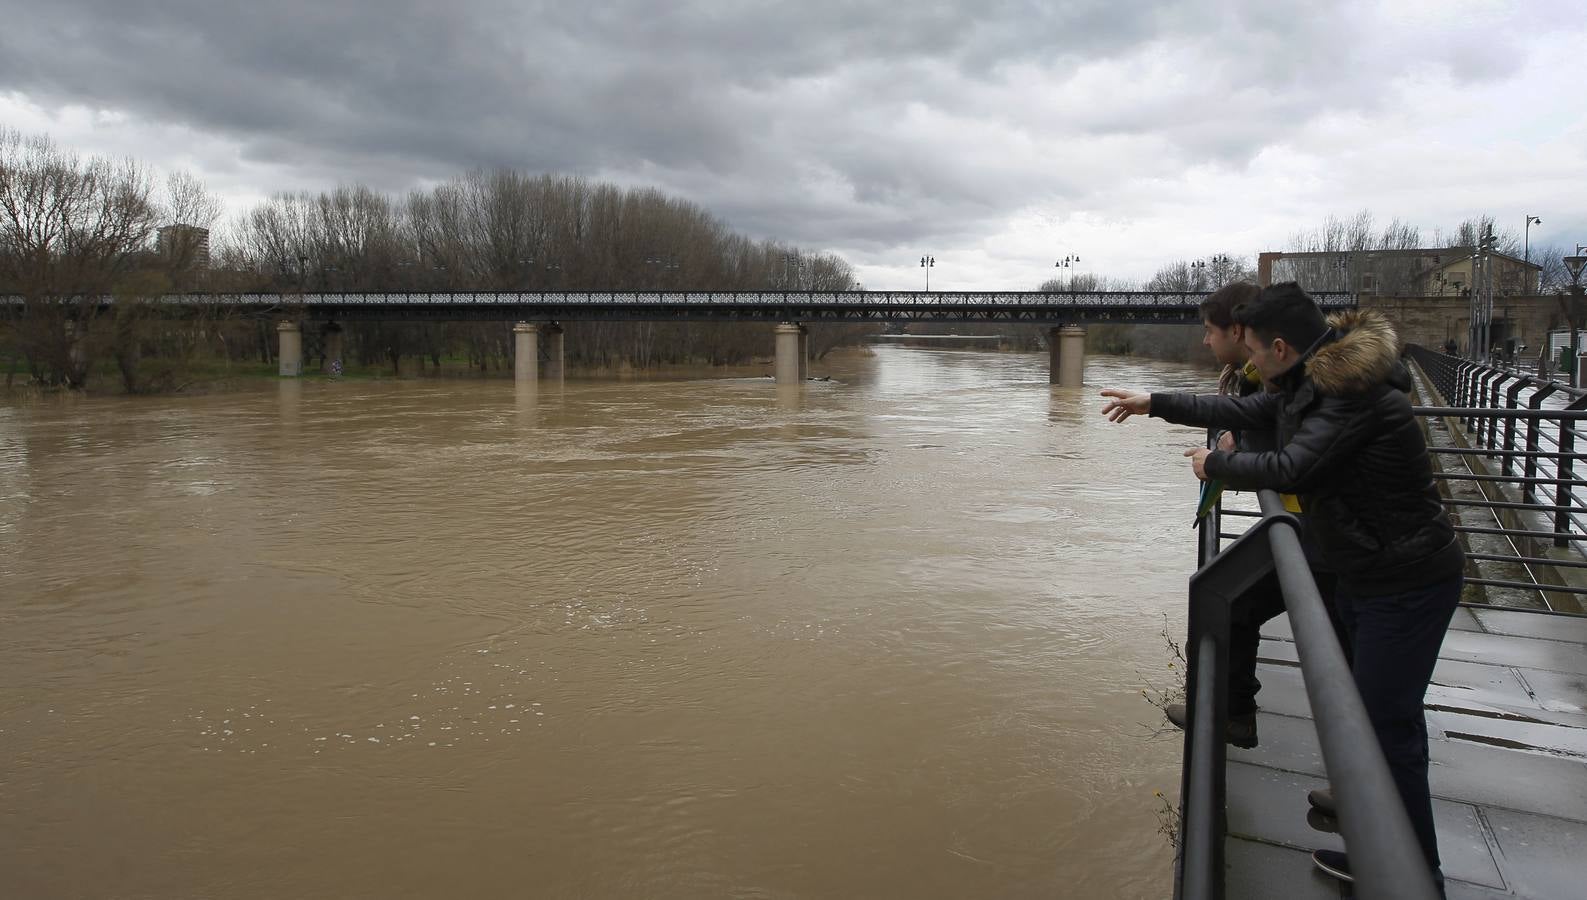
x: 1246, y: 619
x: 1396, y: 639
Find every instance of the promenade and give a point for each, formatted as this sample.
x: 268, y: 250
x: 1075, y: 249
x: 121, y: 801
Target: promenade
x: 1508, y: 742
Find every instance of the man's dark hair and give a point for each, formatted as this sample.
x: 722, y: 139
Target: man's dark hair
x: 1218, y: 309
x: 1283, y: 311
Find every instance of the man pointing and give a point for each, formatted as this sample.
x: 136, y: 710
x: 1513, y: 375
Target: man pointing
x: 1349, y: 447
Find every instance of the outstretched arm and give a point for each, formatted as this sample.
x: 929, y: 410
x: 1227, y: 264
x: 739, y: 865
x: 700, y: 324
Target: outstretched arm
x: 1257, y: 411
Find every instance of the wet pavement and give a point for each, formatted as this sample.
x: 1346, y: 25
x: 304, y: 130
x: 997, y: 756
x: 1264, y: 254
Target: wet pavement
x: 1507, y: 728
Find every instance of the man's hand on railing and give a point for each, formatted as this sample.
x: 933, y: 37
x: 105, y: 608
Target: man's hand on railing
x: 1198, y: 461
x: 1124, y: 404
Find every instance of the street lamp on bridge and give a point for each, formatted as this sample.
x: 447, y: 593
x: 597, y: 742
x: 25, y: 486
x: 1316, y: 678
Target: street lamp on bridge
x: 928, y: 263
x: 1068, y: 262
x: 1198, y: 269
x: 792, y: 270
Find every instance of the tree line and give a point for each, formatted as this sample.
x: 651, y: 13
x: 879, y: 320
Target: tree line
x: 75, y: 229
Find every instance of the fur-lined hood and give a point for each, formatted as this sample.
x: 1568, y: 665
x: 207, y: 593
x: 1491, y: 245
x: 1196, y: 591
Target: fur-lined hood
x: 1362, y: 355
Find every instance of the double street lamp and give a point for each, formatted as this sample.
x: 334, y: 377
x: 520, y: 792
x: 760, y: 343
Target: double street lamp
x: 1198, y: 268
x: 928, y: 263
x: 792, y: 270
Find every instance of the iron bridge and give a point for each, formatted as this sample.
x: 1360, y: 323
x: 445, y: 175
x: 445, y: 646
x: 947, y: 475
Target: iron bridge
x: 1030, y: 307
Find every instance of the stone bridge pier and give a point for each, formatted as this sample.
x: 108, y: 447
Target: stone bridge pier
x: 792, y: 364
x: 290, y: 357
x: 1067, y: 347
x: 526, y: 351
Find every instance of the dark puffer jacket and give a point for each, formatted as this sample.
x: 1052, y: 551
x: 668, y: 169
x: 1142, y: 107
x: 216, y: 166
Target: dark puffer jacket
x: 1350, y: 448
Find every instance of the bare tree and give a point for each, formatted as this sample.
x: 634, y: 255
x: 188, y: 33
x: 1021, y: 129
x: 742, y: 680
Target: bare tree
x: 70, y: 229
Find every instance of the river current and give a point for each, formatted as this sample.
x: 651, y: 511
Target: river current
x: 883, y: 636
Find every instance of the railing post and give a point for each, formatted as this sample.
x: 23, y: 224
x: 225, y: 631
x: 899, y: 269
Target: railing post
x: 1564, y: 470
x: 1479, y: 384
x: 1533, y: 425
x: 1478, y: 389
x: 1493, y: 403
x: 1510, y: 398
x: 1468, y: 388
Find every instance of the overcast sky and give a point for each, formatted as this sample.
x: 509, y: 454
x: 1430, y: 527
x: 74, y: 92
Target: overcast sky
x: 995, y: 135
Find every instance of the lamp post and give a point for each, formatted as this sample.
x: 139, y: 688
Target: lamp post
x: 792, y: 269
x: 664, y: 263
x: 1526, y: 242
x: 1068, y: 262
x: 1342, y: 263
x: 928, y: 263
x: 1482, y: 298
x: 1573, y: 264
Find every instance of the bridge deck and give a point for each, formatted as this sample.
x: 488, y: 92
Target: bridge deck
x: 1029, y: 307
x: 1507, y: 722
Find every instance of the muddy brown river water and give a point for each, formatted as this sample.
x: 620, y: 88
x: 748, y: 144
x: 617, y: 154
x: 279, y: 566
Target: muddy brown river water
x: 881, y: 637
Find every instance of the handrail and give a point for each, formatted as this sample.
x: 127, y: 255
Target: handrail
x: 1385, y: 856
x: 1472, y: 392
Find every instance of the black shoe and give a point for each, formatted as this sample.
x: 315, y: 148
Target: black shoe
x: 1322, y: 800
x: 1334, y: 863
x: 1241, y: 731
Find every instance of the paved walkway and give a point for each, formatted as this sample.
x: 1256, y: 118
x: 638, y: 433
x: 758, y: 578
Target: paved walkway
x: 1507, y: 718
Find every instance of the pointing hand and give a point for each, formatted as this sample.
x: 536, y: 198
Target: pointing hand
x: 1123, y: 404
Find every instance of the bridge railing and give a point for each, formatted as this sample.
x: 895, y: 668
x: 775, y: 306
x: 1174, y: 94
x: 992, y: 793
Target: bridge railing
x: 934, y: 299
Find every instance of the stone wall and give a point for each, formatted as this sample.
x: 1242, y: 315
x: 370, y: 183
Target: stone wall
x: 1430, y: 321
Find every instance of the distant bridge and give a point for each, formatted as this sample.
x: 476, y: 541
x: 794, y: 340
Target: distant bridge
x: 1029, y: 307
x: 540, y: 315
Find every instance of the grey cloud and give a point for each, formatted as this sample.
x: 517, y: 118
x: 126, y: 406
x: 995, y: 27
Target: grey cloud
x: 782, y: 117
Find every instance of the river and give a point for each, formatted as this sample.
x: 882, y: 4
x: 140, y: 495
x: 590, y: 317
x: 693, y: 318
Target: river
x: 884, y: 636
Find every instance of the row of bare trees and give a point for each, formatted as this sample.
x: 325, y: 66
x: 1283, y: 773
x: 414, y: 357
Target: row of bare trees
x: 76, y: 230
x: 507, y: 230
x: 73, y: 231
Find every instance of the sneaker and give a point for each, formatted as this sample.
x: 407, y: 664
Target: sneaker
x: 1241, y: 731
x: 1334, y: 863
x: 1322, y: 800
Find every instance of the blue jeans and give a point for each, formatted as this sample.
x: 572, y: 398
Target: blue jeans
x: 1395, y: 638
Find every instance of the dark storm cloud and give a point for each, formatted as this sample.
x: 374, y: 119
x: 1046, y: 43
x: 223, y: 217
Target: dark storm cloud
x: 842, y: 123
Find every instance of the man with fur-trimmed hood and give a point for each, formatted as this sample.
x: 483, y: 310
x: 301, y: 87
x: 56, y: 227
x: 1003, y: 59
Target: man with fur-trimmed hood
x: 1350, y: 448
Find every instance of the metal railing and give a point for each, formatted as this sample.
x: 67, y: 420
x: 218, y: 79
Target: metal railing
x: 1176, y: 300
x: 1385, y: 857
x: 1515, y: 441
x: 1521, y: 427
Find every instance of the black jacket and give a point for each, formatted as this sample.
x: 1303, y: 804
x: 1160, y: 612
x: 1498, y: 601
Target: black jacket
x: 1348, y: 445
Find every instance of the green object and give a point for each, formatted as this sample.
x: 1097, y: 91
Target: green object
x: 1211, y: 491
